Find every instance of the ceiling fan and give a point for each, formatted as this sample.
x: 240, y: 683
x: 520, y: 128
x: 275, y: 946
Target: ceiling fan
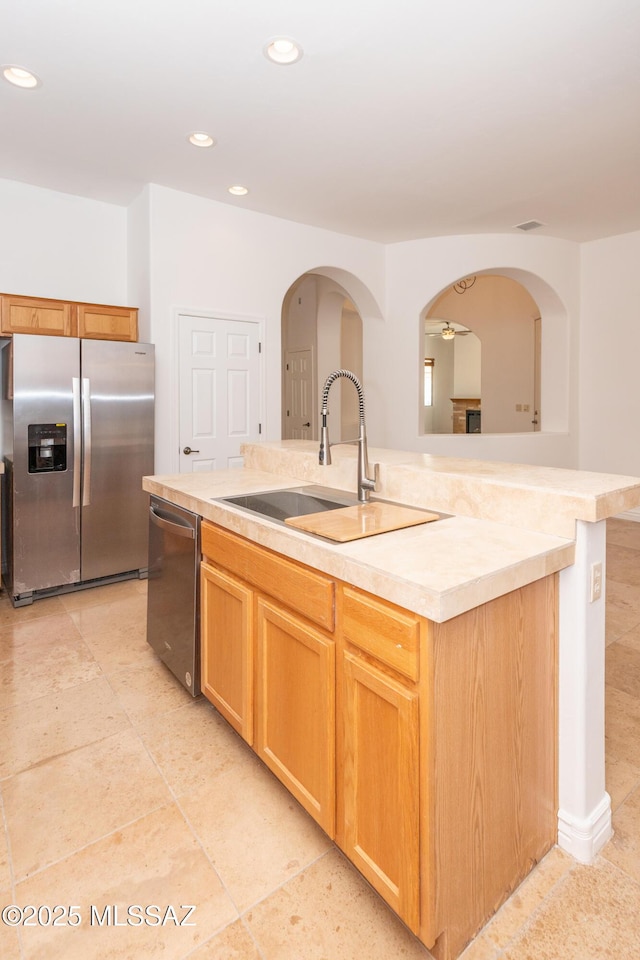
x: 447, y: 332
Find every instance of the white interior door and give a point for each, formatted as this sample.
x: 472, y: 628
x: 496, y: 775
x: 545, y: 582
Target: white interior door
x: 219, y: 390
x: 300, y: 415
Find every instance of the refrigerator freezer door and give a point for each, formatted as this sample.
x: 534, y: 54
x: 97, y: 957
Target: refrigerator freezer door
x: 45, y: 546
x: 118, y: 387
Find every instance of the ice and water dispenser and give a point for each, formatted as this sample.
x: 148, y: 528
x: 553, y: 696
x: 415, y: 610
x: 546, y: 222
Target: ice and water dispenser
x: 47, y: 447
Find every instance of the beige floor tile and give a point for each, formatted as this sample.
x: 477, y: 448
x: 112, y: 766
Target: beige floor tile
x: 115, y: 632
x: 622, y: 610
x: 109, y: 593
x: 622, y: 726
x: 147, y: 689
x: 154, y: 861
x: 590, y: 915
x: 622, y: 668
x: 621, y: 779
x: 54, y: 809
x: 327, y: 912
x: 233, y: 943
x: 523, y: 902
x: 201, y: 746
x: 623, y: 533
x: 43, y: 656
x: 33, y: 611
x: 622, y: 565
x: 9, y: 938
x: 624, y: 848
x: 481, y: 949
x: 255, y: 833
x: 5, y: 867
x: 631, y: 638
x: 57, y: 723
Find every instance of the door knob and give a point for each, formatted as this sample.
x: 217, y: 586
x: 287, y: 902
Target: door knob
x: 188, y: 450
x: 306, y: 424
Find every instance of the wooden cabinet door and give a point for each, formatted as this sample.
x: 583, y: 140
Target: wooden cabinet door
x: 31, y: 315
x: 295, y: 709
x: 226, y: 627
x: 107, y: 323
x: 379, y: 757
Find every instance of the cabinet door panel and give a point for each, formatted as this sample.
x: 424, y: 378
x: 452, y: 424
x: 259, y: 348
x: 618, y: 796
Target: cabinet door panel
x: 227, y: 648
x: 381, y: 784
x: 295, y: 722
x: 43, y: 317
x: 107, y: 323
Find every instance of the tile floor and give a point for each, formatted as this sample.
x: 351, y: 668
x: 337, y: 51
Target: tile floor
x: 118, y: 790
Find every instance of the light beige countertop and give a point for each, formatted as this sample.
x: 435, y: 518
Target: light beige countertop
x: 491, y: 545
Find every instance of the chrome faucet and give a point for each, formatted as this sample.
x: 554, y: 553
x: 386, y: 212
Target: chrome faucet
x: 365, y: 483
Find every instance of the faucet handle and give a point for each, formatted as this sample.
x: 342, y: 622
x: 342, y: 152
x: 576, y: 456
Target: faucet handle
x: 367, y: 483
x: 376, y: 476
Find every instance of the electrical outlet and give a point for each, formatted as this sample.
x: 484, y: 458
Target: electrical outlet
x: 595, y: 591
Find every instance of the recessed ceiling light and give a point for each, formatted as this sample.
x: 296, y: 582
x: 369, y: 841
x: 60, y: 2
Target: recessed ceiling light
x: 20, y: 77
x: 238, y: 190
x: 283, y: 50
x: 201, y: 139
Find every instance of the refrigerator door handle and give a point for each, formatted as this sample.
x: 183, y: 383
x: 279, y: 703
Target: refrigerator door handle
x: 86, y: 434
x: 77, y: 439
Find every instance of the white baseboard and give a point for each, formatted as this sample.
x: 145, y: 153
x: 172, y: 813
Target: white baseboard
x: 584, y: 838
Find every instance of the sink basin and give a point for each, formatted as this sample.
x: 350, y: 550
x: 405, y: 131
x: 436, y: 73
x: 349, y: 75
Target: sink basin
x: 293, y: 502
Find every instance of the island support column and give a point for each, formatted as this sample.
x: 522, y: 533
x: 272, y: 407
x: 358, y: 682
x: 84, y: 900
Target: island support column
x: 584, y: 815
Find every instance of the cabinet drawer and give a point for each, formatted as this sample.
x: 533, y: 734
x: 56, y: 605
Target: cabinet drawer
x: 387, y: 633
x: 305, y: 591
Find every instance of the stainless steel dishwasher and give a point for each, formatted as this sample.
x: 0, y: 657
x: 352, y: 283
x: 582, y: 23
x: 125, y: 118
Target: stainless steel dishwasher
x: 173, y: 604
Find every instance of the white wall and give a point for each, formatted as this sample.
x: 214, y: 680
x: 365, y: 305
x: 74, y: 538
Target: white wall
x: 139, y: 251
x: 63, y: 247
x: 209, y: 256
x: 467, y: 381
x: 172, y: 250
x: 60, y: 246
x: 417, y: 272
x: 610, y: 355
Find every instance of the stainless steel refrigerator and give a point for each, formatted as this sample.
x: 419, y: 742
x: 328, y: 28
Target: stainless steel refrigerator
x: 78, y: 438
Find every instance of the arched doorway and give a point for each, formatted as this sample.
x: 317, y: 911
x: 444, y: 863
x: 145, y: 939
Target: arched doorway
x: 321, y: 332
x: 482, y: 336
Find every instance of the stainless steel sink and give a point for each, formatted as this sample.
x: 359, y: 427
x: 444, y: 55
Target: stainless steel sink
x: 292, y: 502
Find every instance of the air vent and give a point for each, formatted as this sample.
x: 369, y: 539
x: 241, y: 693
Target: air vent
x: 529, y: 225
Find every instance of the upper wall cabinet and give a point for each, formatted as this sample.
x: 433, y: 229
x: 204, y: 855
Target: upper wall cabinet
x: 28, y: 315
x: 107, y: 323
x: 67, y: 319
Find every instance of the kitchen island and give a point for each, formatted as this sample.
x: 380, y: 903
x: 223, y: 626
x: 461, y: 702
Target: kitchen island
x: 422, y: 665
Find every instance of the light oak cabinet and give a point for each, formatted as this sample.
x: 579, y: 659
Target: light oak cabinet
x: 226, y: 614
x: 295, y: 708
x: 427, y: 750
x: 60, y: 318
x: 269, y: 666
x: 99, y: 322
x: 379, y: 748
x: 29, y: 315
x: 381, y: 782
